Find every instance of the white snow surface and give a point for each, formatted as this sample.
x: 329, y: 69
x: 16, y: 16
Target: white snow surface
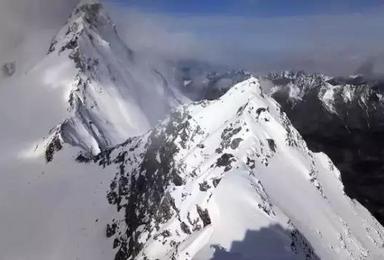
x: 275, y: 200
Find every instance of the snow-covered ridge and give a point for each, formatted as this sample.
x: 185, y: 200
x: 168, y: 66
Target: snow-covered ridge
x: 112, y: 94
x: 215, y: 171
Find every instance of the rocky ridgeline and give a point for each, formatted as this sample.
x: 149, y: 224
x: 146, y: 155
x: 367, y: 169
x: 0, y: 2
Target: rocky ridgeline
x: 165, y: 183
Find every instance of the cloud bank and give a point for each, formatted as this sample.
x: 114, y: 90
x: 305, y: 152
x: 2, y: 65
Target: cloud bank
x: 333, y: 44
x: 26, y: 27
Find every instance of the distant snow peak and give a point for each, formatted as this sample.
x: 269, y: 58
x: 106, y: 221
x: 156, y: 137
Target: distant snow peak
x: 87, y: 16
x: 113, y: 96
x: 90, y: 10
x: 336, y: 95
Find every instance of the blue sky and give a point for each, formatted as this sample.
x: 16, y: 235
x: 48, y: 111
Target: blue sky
x: 258, y: 8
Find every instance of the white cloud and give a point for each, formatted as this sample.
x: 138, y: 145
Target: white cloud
x: 326, y: 43
x: 26, y: 27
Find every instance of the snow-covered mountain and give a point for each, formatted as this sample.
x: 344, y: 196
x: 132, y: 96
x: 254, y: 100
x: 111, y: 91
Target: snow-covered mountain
x: 95, y: 93
x: 111, y: 93
x: 232, y: 179
x: 229, y: 178
x: 343, y: 117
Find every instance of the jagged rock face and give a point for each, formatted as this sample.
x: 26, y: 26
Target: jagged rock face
x: 215, y: 171
x: 345, y: 119
x: 113, y: 94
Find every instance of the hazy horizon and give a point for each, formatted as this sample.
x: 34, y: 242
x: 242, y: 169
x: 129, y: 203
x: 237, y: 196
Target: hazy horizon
x: 332, y: 37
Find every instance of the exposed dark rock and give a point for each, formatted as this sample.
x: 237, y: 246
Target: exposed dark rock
x: 225, y: 161
x: 177, y: 180
x: 251, y: 163
x: 184, y: 227
x: 111, y: 230
x: 204, y: 186
x: 81, y: 158
x: 116, y: 243
x: 53, y: 147
x: 166, y: 233
x: 72, y: 44
x: 52, y: 46
x: 235, y: 143
x: 216, y: 182
x: 226, y: 139
x: 260, y: 110
x: 272, y: 144
x: 204, y: 215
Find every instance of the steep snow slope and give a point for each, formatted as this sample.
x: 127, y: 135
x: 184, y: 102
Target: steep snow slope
x: 232, y: 179
x: 345, y: 119
x: 111, y: 93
